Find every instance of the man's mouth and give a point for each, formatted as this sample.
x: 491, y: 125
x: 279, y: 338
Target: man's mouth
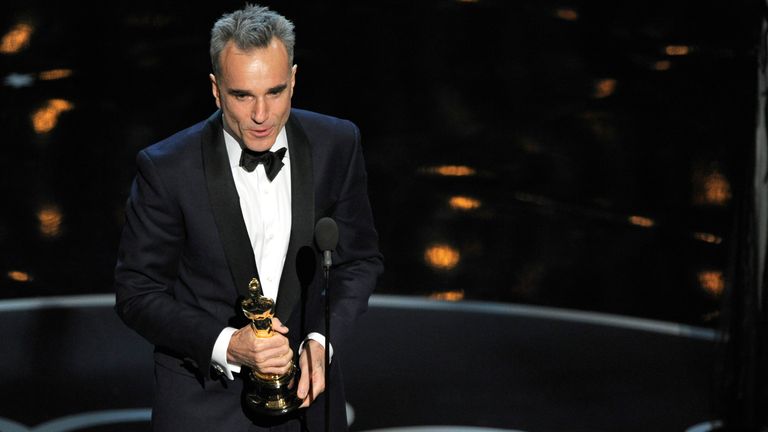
x: 260, y: 132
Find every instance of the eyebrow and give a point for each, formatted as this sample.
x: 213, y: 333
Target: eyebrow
x: 237, y: 92
x: 272, y: 90
x: 277, y: 88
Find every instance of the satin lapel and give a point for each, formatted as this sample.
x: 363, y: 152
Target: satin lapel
x: 225, y: 204
x: 302, y: 218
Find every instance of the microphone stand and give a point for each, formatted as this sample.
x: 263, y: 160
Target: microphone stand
x: 327, y: 237
x: 326, y: 273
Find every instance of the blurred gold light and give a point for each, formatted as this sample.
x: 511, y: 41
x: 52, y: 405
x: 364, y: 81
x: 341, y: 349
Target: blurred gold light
x: 45, y: 119
x: 711, y: 189
x: 717, y: 189
x: 641, y: 221
x: 567, y: 14
x: 712, y: 281
x: 451, y: 170
x: 605, y: 88
x: 16, y: 39
x: 448, y: 295
x: 55, y: 74
x: 662, y: 65
x: 19, y: 276
x: 677, y: 50
x: 442, y: 256
x: 463, y: 203
x: 707, y: 237
x: 50, y: 221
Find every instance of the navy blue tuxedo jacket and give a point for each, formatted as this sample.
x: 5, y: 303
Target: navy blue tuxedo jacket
x: 185, y: 260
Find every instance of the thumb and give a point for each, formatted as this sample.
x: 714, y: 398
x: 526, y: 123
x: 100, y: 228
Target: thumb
x: 278, y: 326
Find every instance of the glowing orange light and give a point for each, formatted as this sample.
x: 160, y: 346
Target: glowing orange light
x: 717, y: 189
x: 662, y: 65
x: 712, y: 281
x: 50, y: 221
x: 711, y: 188
x: 451, y: 170
x: 448, y: 295
x: 55, y: 74
x: 441, y: 256
x: 605, y: 88
x: 707, y: 237
x: 567, y: 14
x: 463, y: 203
x: 677, y: 50
x: 16, y: 39
x: 45, y: 119
x: 641, y: 221
x: 19, y: 276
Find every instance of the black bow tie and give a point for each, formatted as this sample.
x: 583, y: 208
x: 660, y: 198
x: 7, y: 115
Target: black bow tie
x: 272, y: 161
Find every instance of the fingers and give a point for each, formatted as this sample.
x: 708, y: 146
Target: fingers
x: 272, y: 355
x: 312, y: 381
x: 305, y: 382
x: 303, y: 388
x: 315, y: 383
x: 277, y: 360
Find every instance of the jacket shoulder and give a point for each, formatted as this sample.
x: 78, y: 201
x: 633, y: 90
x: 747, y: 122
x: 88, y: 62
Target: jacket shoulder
x: 180, y: 142
x: 323, y: 124
x: 184, y: 145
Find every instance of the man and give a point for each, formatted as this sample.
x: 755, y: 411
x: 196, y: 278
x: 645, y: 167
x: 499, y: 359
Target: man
x: 205, y: 217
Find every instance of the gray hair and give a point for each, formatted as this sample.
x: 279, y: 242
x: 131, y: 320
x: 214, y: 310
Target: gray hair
x: 253, y: 26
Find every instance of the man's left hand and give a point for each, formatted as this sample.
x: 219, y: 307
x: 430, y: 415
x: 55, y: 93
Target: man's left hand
x: 312, y: 364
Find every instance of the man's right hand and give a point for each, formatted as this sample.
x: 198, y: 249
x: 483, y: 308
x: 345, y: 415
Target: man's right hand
x: 272, y: 355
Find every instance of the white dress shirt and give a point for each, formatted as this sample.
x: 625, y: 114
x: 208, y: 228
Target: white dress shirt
x: 266, y: 208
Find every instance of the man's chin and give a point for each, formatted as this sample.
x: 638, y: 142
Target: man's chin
x: 259, y: 145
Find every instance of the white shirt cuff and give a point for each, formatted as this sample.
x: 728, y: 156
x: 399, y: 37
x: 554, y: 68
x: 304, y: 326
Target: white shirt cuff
x: 317, y: 337
x: 219, y: 355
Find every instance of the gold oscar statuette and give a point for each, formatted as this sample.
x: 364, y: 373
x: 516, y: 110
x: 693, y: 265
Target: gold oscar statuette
x: 268, y: 394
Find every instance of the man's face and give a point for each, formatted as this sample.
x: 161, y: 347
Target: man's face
x: 254, y: 90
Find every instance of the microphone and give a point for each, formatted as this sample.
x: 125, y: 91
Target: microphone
x: 326, y: 237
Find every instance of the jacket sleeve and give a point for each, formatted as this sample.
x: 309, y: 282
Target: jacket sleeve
x: 357, y: 262
x: 146, y: 274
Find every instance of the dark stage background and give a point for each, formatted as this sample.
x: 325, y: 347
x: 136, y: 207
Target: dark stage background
x: 579, y: 155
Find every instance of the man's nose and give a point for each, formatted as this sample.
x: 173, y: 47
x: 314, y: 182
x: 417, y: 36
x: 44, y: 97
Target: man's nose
x: 259, y: 113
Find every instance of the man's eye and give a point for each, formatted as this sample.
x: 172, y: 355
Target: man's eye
x: 240, y: 96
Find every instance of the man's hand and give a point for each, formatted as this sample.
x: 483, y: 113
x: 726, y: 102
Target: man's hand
x: 312, y: 364
x: 271, y: 355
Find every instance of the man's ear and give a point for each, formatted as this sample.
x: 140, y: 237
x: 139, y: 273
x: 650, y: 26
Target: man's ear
x: 293, y: 77
x: 215, y: 89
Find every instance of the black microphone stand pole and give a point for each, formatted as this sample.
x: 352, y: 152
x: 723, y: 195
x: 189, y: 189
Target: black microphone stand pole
x: 327, y: 237
x: 326, y: 273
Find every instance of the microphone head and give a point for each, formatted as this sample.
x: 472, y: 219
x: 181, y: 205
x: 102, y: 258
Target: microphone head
x: 326, y: 234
